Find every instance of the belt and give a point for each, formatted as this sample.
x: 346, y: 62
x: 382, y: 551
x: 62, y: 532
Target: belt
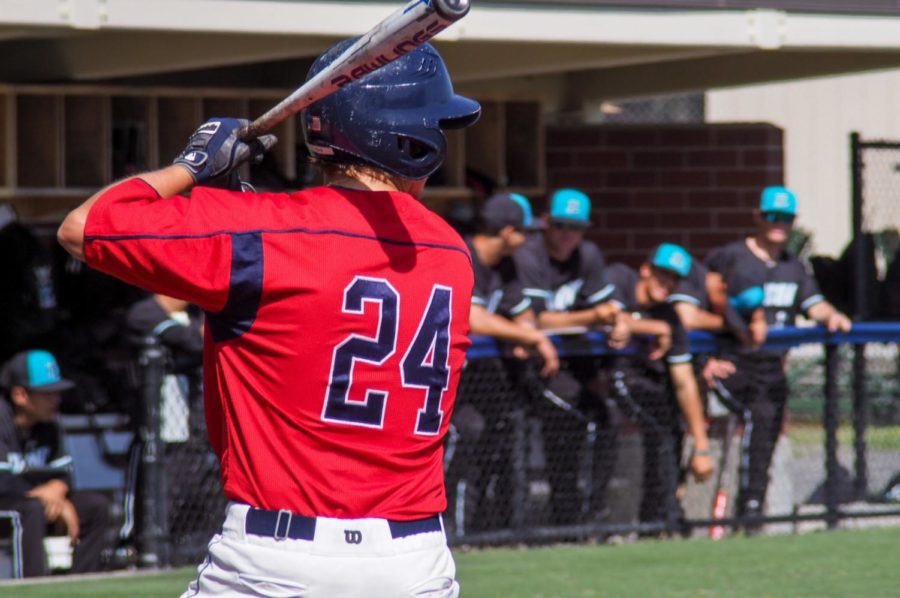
x: 284, y: 524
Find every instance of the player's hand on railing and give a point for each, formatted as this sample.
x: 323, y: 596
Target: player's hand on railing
x: 838, y: 322
x: 550, y: 358
x: 619, y: 334
x: 605, y: 314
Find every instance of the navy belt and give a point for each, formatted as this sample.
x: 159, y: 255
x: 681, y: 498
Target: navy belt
x: 284, y: 524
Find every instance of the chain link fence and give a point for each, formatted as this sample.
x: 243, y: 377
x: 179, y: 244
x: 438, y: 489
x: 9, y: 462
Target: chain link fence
x: 595, y: 454
x: 873, y: 266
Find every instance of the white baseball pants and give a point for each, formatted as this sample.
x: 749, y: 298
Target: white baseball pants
x: 347, y: 558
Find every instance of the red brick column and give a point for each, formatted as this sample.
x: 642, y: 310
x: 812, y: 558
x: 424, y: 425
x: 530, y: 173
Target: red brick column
x: 695, y: 185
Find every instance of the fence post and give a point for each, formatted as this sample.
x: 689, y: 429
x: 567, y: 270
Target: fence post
x: 860, y: 422
x: 832, y: 362
x: 154, y: 497
x: 860, y: 300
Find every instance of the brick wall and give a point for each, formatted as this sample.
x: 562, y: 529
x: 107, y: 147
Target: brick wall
x: 695, y: 185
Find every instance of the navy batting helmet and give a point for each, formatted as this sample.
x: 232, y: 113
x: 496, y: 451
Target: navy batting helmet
x: 391, y: 118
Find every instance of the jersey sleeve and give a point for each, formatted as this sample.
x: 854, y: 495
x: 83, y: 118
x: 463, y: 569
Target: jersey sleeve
x: 618, y: 275
x: 60, y: 461
x: 692, y: 288
x: 680, y: 351
x: 11, y: 483
x: 180, y: 246
x: 514, y: 300
x: 808, y: 294
x: 533, y: 279
x: 718, y: 261
x: 481, y: 292
x: 597, y: 288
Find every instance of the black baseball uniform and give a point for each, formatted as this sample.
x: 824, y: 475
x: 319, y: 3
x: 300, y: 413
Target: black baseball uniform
x: 29, y: 458
x: 692, y: 288
x: 479, y: 474
x: 759, y: 382
x: 574, y: 284
x: 643, y: 390
x: 498, y: 289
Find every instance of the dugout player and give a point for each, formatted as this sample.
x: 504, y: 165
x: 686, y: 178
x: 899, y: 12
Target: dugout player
x: 643, y: 385
x: 486, y: 424
x: 563, y: 273
x: 500, y: 309
x: 35, y: 470
x: 564, y: 276
x: 759, y: 381
x: 336, y: 327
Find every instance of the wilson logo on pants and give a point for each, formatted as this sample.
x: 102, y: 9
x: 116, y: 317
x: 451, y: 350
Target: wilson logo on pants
x: 352, y: 536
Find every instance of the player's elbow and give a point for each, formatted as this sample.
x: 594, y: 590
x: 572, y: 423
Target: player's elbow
x: 71, y: 234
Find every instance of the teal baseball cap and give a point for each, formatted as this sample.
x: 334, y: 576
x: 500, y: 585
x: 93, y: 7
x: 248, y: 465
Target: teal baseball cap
x: 35, y: 370
x: 570, y: 207
x: 673, y: 258
x: 778, y: 199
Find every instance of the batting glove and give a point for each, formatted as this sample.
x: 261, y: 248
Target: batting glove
x: 214, y: 149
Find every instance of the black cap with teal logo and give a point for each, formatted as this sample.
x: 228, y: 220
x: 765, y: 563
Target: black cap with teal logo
x: 35, y: 370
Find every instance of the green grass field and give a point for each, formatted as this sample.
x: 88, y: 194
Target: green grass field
x: 882, y: 438
x: 821, y: 565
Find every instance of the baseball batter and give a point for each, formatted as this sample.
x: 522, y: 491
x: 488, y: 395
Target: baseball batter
x: 337, y: 322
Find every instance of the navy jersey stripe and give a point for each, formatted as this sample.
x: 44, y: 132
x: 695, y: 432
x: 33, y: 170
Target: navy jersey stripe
x: 245, y: 289
x: 262, y: 231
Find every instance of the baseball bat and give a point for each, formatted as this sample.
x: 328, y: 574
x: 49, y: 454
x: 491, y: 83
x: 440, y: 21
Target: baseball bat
x: 721, y: 498
x: 401, y: 32
x: 723, y: 482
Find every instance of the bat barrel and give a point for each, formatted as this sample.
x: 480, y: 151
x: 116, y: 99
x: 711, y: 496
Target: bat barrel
x: 386, y: 41
x: 452, y: 10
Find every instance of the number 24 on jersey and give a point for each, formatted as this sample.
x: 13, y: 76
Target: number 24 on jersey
x: 432, y: 339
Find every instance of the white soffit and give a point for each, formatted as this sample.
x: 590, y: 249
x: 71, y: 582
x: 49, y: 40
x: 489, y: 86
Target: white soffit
x: 758, y: 28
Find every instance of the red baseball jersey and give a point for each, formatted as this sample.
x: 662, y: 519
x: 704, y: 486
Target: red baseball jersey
x: 336, y: 329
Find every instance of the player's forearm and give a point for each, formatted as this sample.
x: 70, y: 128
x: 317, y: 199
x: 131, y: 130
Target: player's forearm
x: 687, y: 394
x: 644, y: 327
x: 821, y: 311
x: 604, y: 313
x: 484, y: 323
x: 695, y: 318
x: 167, y: 181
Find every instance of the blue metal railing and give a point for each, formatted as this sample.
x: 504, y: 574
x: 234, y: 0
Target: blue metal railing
x: 594, y: 343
